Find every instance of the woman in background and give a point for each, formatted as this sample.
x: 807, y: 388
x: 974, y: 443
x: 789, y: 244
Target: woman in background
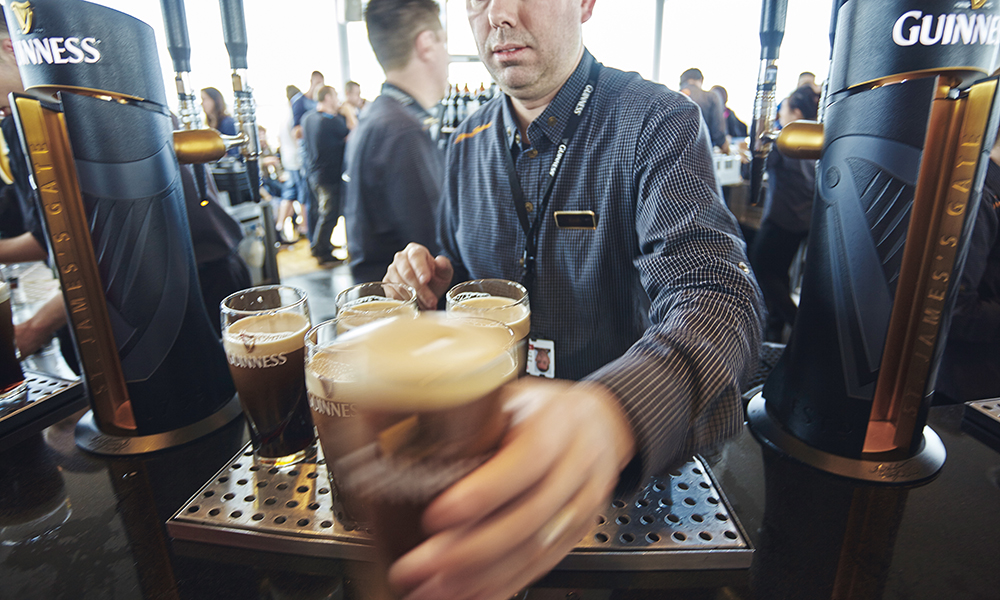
x: 791, y: 184
x: 216, y: 113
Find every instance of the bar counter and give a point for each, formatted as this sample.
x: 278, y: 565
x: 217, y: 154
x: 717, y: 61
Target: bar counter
x: 75, y: 525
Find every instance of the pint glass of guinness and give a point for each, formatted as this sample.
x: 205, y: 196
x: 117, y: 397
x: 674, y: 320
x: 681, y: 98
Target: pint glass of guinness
x: 367, y: 302
x: 426, y: 392
x: 327, y: 368
x: 12, y: 385
x: 263, y: 332
x: 500, y: 300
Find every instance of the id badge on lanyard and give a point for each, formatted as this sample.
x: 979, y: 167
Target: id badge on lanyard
x: 541, y: 352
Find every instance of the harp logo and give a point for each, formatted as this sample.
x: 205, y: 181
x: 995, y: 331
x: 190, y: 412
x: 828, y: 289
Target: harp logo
x: 24, y: 14
x: 977, y: 4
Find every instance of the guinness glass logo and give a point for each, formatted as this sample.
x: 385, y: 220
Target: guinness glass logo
x: 24, y: 14
x: 977, y: 4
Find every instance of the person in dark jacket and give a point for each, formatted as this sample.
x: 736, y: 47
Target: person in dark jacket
x: 785, y: 225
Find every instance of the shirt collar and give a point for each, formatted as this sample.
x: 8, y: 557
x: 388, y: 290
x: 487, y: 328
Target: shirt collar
x: 410, y: 103
x: 552, y: 122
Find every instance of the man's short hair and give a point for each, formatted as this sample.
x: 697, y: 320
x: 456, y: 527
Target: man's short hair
x: 4, y: 32
x: 316, y: 74
x: 324, y: 92
x: 350, y: 85
x: 691, y: 75
x: 393, y: 27
x: 291, y: 91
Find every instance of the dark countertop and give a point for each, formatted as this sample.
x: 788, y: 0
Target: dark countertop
x: 73, y: 525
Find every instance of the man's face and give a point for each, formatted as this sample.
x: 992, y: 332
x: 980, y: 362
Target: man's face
x: 530, y: 47
x: 353, y: 95
x: 316, y: 82
x: 332, y: 102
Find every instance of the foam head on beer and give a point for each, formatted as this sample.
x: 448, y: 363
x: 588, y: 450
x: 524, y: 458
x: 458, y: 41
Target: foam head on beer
x: 513, y: 313
x: 428, y: 363
x: 258, y: 341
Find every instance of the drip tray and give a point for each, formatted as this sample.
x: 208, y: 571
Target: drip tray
x: 678, y: 522
x: 49, y: 399
x: 984, y: 415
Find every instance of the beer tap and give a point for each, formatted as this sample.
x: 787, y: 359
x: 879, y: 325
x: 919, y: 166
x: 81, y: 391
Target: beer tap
x: 772, y: 30
x: 235, y: 33
x: 179, y: 47
x: 909, y: 114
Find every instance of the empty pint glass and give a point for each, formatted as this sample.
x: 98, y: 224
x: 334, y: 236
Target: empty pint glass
x: 426, y: 394
x: 500, y: 300
x: 13, y: 387
x: 263, y: 332
x: 368, y: 302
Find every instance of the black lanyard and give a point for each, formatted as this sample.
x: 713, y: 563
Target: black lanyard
x: 532, y: 229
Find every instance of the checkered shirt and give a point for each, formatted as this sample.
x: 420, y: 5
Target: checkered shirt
x: 658, y: 303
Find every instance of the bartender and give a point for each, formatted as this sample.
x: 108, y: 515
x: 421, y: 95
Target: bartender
x: 596, y: 189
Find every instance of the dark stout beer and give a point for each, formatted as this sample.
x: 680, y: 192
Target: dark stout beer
x: 266, y: 359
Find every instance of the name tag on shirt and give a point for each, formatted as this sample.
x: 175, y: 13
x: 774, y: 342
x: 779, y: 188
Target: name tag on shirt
x: 542, y: 358
x: 575, y: 219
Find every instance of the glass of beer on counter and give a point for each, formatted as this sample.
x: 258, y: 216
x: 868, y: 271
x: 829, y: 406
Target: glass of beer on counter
x: 500, y: 300
x: 13, y: 387
x: 368, y: 302
x: 263, y: 332
x: 327, y: 368
x: 426, y: 392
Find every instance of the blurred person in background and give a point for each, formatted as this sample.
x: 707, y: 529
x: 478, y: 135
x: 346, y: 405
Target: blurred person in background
x: 295, y: 187
x: 711, y: 107
x: 216, y: 112
x: 735, y: 129
x: 352, y: 95
x: 302, y: 103
x: 325, y: 132
x: 784, y: 225
x: 393, y: 167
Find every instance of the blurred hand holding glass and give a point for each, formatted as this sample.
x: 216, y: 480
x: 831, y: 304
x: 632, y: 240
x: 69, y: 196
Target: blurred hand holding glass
x: 426, y: 391
x: 263, y: 332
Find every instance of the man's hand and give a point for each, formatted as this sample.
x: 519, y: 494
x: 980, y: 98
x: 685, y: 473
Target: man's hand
x: 415, y: 267
x: 513, y: 519
x: 34, y: 333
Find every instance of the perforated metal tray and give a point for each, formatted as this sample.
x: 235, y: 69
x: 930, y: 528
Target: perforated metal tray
x: 49, y: 399
x: 678, y: 522
x: 985, y: 414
